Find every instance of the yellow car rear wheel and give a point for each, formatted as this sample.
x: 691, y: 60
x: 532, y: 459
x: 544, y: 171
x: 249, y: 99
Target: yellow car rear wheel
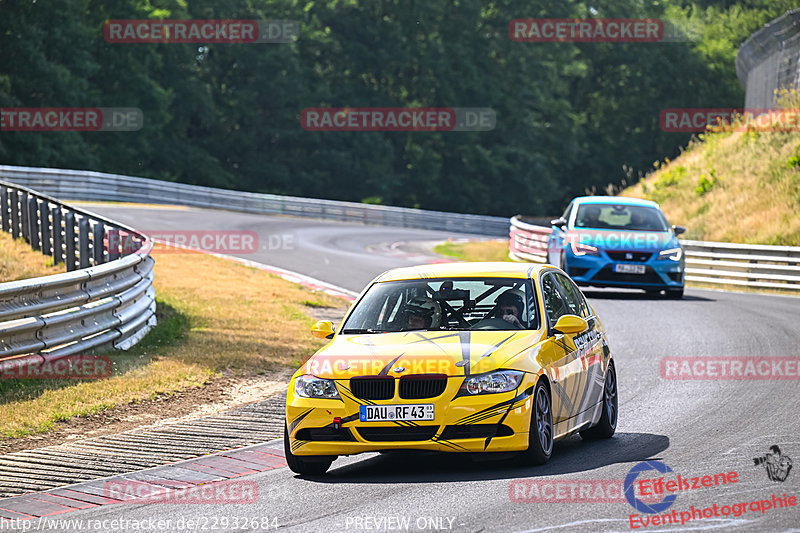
x: 608, y: 421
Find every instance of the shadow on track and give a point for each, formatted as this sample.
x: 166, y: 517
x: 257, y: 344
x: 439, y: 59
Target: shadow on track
x: 599, y: 294
x: 569, y: 456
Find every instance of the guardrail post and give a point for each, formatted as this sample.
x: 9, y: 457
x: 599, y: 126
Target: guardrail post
x: 98, y: 247
x: 58, y: 249
x: 83, y: 243
x: 69, y: 240
x: 14, y: 214
x: 115, y: 239
x: 23, y: 211
x: 33, y: 222
x: 4, y: 208
x: 45, y: 229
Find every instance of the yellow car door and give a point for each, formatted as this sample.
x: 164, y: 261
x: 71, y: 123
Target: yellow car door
x: 564, y: 364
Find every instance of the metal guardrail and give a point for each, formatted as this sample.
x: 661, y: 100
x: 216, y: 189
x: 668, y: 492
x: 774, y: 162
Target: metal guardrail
x: 527, y: 242
x: 756, y: 266
x: 769, y: 60
x: 105, y: 299
x: 748, y: 265
x: 87, y: 185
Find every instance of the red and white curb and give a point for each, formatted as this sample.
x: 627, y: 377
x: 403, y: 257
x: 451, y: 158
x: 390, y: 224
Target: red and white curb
x: 159, y: 481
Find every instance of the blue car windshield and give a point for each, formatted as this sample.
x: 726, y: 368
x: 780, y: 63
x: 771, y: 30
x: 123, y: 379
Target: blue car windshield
x: 620, y: 217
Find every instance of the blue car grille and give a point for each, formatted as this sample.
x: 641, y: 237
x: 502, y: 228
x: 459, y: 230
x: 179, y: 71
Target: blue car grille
x: 630, y: 256
x: 608, y: 274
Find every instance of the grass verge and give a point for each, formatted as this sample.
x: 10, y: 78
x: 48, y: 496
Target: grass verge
x: 741, y: 186
x: 19, y: 261
x: 491, y: 250
x: 216, y: 317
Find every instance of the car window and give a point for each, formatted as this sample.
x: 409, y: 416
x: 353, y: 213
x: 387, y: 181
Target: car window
x: 554, y: 303
x: 445, y: 304
x: 567, y: 211
x: 620, y: 217
x: 573, y: 298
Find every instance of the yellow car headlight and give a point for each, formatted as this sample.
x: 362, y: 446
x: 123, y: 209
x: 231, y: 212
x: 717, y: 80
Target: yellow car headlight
x: 308, y: 386
x: 491, y: 383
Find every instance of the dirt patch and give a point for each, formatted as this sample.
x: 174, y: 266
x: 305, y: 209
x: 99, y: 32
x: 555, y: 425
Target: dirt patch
x: 218, y: 395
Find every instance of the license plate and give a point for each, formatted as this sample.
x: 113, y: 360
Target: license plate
x: 629, y: 269
x: 383, y: 413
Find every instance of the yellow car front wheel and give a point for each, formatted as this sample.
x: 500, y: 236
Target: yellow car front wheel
x: 540, y: 437
x: 314, y: 465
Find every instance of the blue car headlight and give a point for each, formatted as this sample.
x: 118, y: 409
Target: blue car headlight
x: 308, y: 386
x: 673, y: 254
x: 492, y: 382
x: 579, y: 249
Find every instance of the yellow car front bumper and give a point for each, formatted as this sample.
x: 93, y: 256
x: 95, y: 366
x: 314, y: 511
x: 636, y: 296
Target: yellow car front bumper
x: 481, y: 423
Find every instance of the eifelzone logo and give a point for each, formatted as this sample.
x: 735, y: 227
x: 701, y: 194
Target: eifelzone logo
x: 777, y: 464
x: 639, y: 504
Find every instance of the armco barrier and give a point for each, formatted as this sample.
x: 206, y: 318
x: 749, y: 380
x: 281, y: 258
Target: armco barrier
x: 527, y: 242
x: 721, y: 263
x: 104, y: 300
x: 749, y: 265
x: 86, y: 185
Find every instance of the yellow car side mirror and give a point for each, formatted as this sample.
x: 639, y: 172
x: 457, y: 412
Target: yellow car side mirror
x: 323, y: 330
x: 569, y: 324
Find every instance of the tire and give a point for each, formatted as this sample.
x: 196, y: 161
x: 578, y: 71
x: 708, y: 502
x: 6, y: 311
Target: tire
x: 675, y: 294
x: 540, y: 436
x: 563, y: 262
x: 307, y: 466
x: 608, y: 420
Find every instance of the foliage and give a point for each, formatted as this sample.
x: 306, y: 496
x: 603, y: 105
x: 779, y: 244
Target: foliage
x: 570, y: 116
x: 735, y: 188
x: 794, y: 159
x: 705, y: 184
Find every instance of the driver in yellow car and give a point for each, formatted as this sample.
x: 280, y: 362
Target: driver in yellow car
x: 510, y: 305
x: 422, y: 313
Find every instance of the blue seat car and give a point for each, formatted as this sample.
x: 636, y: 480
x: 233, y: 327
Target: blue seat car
x: 612, y: 241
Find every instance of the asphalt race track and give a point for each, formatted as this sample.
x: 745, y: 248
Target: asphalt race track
x: 697, y: 428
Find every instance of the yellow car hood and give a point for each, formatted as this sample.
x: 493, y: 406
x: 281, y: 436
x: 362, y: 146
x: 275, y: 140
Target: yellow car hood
x: 454, y: 353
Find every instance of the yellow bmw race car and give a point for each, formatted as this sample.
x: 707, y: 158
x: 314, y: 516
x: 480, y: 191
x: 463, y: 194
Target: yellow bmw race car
x: 459, y: 357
